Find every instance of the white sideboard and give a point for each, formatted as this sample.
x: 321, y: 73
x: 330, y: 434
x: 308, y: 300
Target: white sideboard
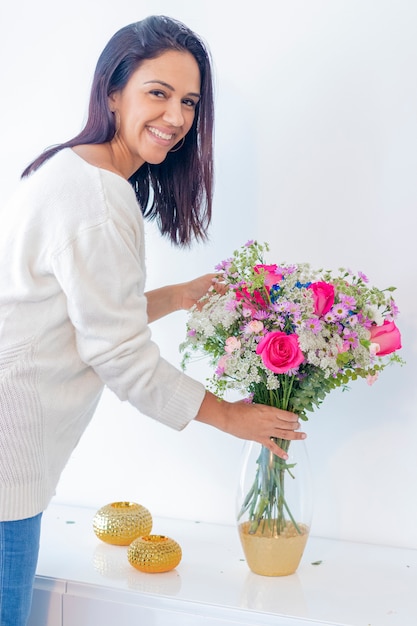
x: 82, y: 581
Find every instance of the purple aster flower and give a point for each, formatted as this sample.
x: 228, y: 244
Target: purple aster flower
x: 351, y: 338
x: 314, y: 325
x: 223, y: 265
x: 394, y: 308
x: 287, y: 270
x: 329, y: 318
x: 352, y: 320
x: 231, y: 305
x: 364, y: 277
x: 279, y: 322
x: 261, y: 315
x: 348, y: 301
x: 293, y: 309
x: 340, y: 311
x: 365, y: 321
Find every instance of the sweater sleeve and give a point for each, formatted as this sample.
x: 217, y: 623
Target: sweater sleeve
x: 101, y: 272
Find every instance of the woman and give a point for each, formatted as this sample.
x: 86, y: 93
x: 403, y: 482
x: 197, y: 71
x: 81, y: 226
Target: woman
x: 73, y: 312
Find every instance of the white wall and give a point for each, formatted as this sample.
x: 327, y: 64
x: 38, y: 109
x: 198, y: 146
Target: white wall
x: 316, y: 139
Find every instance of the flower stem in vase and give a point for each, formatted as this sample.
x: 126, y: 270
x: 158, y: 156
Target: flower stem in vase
x: 273, y: 519
x: 265, y: 501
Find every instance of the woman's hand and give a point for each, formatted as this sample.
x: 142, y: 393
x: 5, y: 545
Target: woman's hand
x: 172, y: 298
x: 255, y: 422
x: 193, y: 290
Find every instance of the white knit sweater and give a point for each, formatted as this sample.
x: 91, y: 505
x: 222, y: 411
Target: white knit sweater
x: 73, y: 319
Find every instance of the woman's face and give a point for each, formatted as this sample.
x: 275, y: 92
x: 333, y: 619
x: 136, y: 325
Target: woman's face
x: 155, y: 110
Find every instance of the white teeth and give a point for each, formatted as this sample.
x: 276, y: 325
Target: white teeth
x: 158, y: 133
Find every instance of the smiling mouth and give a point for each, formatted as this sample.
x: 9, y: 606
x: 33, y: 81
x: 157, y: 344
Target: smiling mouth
x: 160, y: 134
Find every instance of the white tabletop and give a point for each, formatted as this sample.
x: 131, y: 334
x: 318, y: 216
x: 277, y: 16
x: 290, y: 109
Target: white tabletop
x: 337, y: 583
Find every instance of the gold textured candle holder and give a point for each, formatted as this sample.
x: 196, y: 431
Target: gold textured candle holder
x: 119, y: 523
x: 154, y: 554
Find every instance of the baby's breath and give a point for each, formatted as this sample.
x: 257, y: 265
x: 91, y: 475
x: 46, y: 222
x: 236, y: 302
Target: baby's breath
x: 261, y: 299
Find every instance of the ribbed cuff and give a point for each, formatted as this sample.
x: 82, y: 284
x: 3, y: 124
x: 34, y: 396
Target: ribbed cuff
x: 23, y: 501
x: 184, y: 404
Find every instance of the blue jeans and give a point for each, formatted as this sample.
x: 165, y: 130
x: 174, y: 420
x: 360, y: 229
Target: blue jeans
x: 19, y: 548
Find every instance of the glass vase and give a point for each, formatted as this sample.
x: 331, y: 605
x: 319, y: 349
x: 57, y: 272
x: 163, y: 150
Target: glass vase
x: 274, y: 507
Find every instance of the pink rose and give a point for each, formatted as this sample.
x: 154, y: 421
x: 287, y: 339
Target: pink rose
x: 271, y: 275
x: 280, y: 352
x: 232, y: 344
x: 387, y: 336
x: 323, y: 294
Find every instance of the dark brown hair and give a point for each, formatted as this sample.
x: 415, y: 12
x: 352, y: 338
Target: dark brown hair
x: 177, y: 193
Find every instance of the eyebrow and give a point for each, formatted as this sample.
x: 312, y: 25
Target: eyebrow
x: 168, y: 86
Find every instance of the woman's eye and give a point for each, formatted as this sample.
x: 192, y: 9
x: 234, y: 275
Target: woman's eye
x: 158, y: 93
x: 190, y: 103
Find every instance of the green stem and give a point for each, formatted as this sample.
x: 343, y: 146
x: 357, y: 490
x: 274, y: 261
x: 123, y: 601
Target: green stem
x: 265, y: 502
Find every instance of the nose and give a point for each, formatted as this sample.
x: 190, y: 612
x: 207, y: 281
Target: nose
x: 173, y: 113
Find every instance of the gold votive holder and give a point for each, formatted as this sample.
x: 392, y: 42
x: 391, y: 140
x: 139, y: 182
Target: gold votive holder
x: 119, y: 523
x: 154, y: 554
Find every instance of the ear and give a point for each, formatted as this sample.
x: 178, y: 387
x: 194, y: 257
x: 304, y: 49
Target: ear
x: 112, y: 100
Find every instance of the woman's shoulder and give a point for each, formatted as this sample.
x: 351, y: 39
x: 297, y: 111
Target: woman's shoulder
x: 70, y: 194
x: 70, y: 176
x: 96, y: 155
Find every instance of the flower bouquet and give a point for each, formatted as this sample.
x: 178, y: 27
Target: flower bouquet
x: 286, y: 335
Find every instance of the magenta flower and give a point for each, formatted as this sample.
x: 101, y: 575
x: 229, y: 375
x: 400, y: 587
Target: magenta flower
x: 272, y: 275
x: 280, y: 352
x: 387, y: 336
x: 323, y: 295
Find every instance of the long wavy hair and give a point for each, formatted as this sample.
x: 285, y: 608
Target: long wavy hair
x: 177, y: 193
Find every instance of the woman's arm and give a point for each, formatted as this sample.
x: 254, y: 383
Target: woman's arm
x: 256, y: 422
x: 172, y: 298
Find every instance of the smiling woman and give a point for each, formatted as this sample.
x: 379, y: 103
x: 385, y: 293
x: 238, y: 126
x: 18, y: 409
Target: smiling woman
x: 153, y: 114
x: 160, y: 51
x: 73, y: 308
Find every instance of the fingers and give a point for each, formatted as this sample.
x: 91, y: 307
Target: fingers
x: 277, y: 423
x: 285, y: 426
x: 218, y: 285
x: 251, y: 421
x: 286, y: 416
x: 271, y: 444
x: 285, y: 422
x: 287, y: 430
x: 275, y: 449
x: 290, y: 435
